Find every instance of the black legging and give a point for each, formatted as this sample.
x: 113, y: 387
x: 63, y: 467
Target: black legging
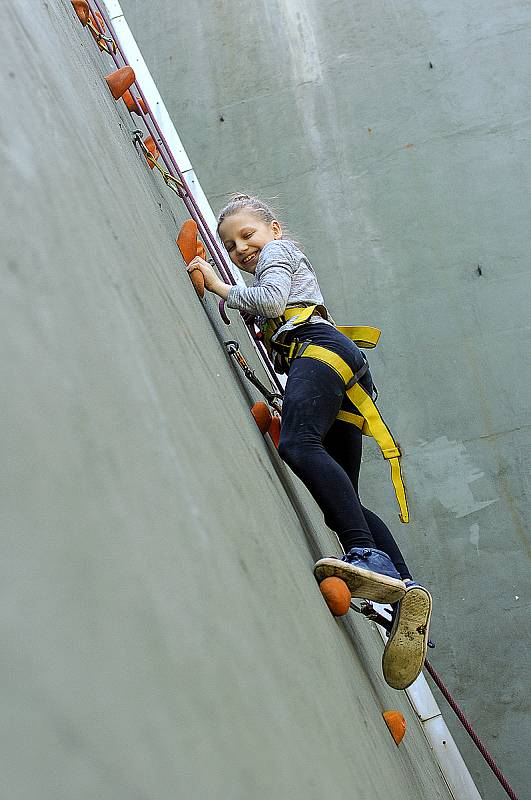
x: 325, y: 453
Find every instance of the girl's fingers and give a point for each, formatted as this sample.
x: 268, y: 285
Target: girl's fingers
x: 209, y: 275
x: 204, y: 267
x: 198, y: 263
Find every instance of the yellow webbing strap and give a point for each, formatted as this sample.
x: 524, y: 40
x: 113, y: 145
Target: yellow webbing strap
x: 272, y: 325
x: 330, y: 358
x: 363, y: 335
x: 354, y: 419
x: 381, y: 433
x: 373, y: 421
x: 300, y: 314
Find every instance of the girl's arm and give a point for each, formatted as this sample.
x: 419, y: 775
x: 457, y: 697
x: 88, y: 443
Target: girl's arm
x: 268, y: 298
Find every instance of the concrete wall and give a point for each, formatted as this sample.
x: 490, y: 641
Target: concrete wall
x: 396, y: 137
x: 162, y: 632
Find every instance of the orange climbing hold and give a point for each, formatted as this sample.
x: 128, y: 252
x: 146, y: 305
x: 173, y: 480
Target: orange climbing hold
x: 99, y: 21
x: 274, y: 430
x: 187, y: 240
x: 190, y: 247
x: 129, y: 101
x: 200, y: 250
x: 337, y: 595
x: 196, y: 276
x: 120, y: 80
x: 396, y: 723
x: 262, y: 416
x: 152, y: 147
x: 81, y: 7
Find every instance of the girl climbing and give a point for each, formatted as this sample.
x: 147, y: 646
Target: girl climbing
x: 328, y: 400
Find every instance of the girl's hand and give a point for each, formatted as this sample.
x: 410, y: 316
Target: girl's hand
x: 208, y: 273
x: 212, y: 282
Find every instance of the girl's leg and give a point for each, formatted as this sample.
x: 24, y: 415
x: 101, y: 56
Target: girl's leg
x: 314, y: 394
x: 384, y: 540
x: 344, y: 444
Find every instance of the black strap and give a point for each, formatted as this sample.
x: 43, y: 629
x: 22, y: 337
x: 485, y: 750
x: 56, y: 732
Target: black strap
x: 356, y: 377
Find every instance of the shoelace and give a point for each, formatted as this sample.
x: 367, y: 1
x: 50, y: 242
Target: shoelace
x: 364, y: 555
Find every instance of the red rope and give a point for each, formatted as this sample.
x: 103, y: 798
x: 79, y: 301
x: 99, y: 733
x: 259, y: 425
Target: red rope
x: 471, y: 732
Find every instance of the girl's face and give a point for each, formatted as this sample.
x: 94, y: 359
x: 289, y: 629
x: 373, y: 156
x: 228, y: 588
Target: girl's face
x: 244, y: 234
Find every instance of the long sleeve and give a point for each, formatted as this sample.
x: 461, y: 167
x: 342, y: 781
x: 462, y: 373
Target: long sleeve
x: 269, y: 295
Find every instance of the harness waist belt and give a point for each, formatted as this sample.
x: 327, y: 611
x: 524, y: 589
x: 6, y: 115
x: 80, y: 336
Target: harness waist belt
x: 363, y: 335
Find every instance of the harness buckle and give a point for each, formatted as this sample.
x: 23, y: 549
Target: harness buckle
x: 357, y: 375
x: 392, y: 452
x: 297, y: 349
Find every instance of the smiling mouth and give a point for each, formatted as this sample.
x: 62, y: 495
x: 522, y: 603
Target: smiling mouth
x: 247, y: 259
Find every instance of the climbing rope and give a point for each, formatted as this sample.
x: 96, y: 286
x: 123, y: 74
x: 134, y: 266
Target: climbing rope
x: 469, y: 729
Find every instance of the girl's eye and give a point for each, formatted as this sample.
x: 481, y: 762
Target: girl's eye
x: 229, y: 247
x: 247, y: 235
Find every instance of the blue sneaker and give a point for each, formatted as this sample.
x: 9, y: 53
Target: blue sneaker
x: 368, y: 573
x: 405, y: 651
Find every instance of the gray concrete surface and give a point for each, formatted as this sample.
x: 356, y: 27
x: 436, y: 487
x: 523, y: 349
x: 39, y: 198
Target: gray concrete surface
x: 395, y: 137
x: 162, y: 633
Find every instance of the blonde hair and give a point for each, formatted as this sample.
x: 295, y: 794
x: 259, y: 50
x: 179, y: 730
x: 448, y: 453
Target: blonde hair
x: 239, y: 202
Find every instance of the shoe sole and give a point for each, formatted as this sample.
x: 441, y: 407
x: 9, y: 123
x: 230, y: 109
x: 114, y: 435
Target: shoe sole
x: 361, y: 582
x: 405, y: 651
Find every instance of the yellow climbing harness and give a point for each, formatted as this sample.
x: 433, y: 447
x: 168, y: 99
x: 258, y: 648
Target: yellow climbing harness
x: 369, y: 420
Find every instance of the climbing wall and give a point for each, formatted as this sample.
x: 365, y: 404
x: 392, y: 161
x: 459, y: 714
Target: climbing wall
x: 394, y: 138
x: 162, y: 632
